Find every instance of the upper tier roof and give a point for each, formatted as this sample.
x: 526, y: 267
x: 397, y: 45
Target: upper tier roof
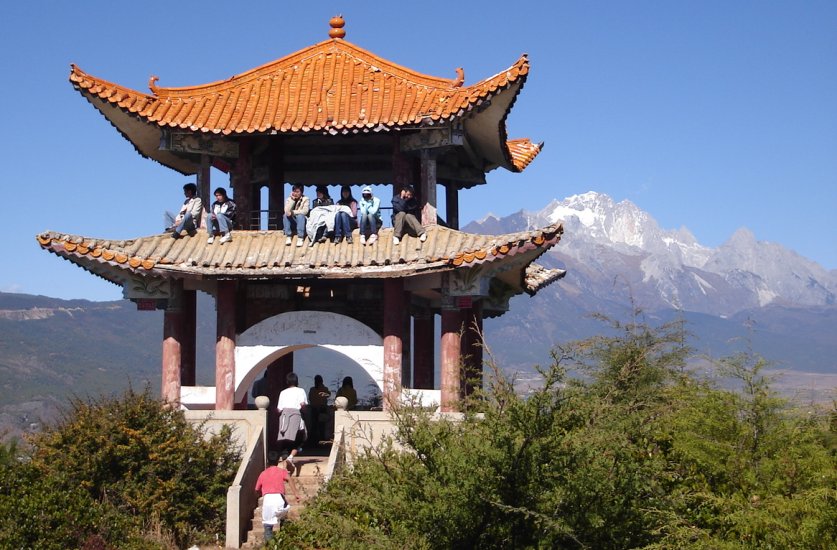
x: 263, y: 254
x: 328, y: 88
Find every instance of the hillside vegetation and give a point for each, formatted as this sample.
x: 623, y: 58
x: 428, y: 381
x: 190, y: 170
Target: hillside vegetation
x: 638, y: 453
x: 124, y: 472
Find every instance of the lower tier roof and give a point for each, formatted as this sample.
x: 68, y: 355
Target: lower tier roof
x: 264, y: 255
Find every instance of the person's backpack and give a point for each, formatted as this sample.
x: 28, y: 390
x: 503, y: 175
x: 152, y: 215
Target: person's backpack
x: 290, y: 426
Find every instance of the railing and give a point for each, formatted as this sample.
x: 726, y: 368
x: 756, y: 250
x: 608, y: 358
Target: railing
x: 241, y: 495
x: 271, y: 220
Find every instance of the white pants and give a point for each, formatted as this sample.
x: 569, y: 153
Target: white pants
x: 274, y: 508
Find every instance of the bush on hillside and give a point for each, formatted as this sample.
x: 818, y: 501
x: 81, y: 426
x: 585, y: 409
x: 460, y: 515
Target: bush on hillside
x: 636, y: 453
x: 127, y: 472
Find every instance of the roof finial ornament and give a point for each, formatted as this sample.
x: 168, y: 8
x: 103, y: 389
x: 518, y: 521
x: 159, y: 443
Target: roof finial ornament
x: 460, y: 78
x: 337, y: 24
x: 152, y: 84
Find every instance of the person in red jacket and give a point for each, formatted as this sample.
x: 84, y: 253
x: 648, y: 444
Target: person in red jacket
x: 271, y: 485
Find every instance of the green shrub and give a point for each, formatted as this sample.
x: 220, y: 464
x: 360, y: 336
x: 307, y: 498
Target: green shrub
x: 129, y: 471
x: 637, y: 453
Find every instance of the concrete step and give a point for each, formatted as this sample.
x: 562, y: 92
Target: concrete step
x: 308, y: 476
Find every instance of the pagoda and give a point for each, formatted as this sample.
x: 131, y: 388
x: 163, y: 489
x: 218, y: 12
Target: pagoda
x: 329, y: 114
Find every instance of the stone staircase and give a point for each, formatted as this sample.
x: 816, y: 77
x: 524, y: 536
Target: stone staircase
x: 308, y: 477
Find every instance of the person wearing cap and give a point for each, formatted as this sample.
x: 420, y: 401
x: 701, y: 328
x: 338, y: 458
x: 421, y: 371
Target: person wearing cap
x: 405, y: 212
x: 296, y: 210
x: 368, y: 216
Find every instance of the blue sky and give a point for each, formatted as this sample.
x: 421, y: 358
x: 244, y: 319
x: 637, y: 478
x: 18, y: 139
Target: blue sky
x: 713, y: 115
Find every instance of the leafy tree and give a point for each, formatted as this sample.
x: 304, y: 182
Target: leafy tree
x: 119, y: 470
x: 634, y: 453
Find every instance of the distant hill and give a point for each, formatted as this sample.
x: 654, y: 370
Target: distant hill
x: 51, y: 349
x: 744, y: 293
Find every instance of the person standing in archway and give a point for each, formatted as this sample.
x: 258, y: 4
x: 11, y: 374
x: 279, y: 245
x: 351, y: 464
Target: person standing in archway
x: 292, y: 404
x: 318, y: 399
x: 347, y: 390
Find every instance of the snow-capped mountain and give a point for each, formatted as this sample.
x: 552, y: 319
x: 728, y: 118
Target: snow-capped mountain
x: 615, y: 251
x: 745, y: 294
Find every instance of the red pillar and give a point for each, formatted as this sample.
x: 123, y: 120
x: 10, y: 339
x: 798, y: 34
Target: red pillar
x: 424, y: 352
x: 240, y: 181
x: 472, y: 347
x: 450, y: 347
x: 172, y: 337
x: 225, y: 347
x: 394, y: 308
x: 188, y: 343
x: 452, y: 205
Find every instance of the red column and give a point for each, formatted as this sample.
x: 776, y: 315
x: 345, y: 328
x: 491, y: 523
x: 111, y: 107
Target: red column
x: 452, y: 205
x: 172, y: 336
x: 450, y: 346
x: 188, y: 343
x: 424, y: 352
x: 240, y: 178
x: 225, y: 347
x: 394, y: 307
x: 472, y: 347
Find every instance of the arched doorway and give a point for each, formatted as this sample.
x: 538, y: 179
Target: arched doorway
x: 265, y: 342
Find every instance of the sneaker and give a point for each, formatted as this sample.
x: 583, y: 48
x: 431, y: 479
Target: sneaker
x: 176, y: 235
x: 338, y: 240
x: 211, y: 239
x: 423, y: 237
x: 288, y: 241
x: 226, y: 237
x: 363, y: 240
x: 299, y: 241
x: 349, y: 239
x: 373, y: 238
x: 396, y: 240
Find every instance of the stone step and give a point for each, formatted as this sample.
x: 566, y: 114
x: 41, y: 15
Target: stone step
x: 308, y: 477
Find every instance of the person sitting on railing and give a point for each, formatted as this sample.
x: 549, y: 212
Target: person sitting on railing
x: 189, y: 217
x: 405, y: 210
x: 369, y: 216
x: 296, y: 209
x: 221, y: 217
x: 321, y: 219
x: 344, y: 222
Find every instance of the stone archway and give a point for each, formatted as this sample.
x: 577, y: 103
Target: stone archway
x: 266, y: 341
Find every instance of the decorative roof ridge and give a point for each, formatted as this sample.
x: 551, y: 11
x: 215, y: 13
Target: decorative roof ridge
x: 155, y: 250
x: 331, y: 45
x: 78, y: 76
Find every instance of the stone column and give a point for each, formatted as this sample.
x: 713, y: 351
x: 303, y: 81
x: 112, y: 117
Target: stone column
x: 427, y: 192
x: 394, y: 308
x: 189, y: 343
x: 203, y: 183
x: 452, y: 205
x: 240, y: 182
x: 275, y: 184
x: 402, y: 169
x: 449, y: 348
x: 172, y: 354
x: 225, y: 347
x: 424, y: 351
x: 472, y: 347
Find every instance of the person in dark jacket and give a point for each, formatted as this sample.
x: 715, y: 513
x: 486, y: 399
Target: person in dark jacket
x: 221, y: 217
x: 405, y: 212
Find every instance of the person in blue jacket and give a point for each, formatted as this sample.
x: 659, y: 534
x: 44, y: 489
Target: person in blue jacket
x: 368, y: 216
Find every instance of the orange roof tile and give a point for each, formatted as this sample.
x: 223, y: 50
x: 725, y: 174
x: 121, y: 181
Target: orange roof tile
x: 331, y: 86
x: 259, y: 254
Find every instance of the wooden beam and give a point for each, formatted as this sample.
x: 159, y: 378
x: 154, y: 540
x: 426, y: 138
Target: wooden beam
x: 199, y: 144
